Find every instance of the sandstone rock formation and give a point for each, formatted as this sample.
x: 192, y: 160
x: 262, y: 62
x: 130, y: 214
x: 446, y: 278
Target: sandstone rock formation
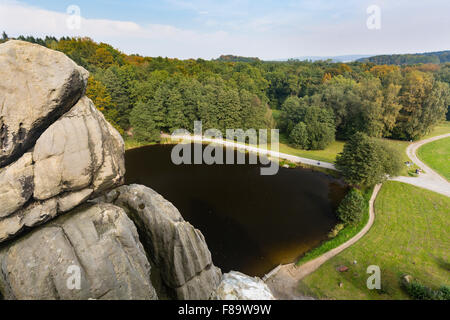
x: 174, y: 246
x: 238, y: 286
x: 37, y: 86
x: 78, y: 156
x: 98, y: 240
x: 58, y: 155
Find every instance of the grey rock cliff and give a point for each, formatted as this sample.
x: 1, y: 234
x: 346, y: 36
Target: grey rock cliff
x: 57, y: 153
x: 37, y: 86
x: 176, y: 248
x: 78, y: 156
x: 99, y: 241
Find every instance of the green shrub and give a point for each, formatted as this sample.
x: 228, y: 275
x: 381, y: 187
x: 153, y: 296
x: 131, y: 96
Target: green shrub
x: 352, y: 207
x: 420, y: 292
x: 335, y: 231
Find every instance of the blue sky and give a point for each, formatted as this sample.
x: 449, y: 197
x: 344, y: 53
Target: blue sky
x: 267, y: 29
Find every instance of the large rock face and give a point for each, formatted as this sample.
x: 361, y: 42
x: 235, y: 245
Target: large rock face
x: 83, y: 151
x: 37, y: 86
x: 238, y: 286
x: 57, y: 153
x: 97, y: 242
x: 176, y: 248
x: 78, y: 156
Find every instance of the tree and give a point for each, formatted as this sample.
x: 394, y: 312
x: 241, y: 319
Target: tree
x: 99, y: 95
x: 144, y: 128
x: 102, y: 58
x: 175, y: 116
x: 390, y: 159
x: 118, y: 81
x: 317, y: 130
x: 341, y: 95
x: 292, y: 112
x: 352, y: 207
x: 157, y: 107
x: 299, y: 136
x: 320, y: 127
x: 366, y: 162
x: 416, y: 87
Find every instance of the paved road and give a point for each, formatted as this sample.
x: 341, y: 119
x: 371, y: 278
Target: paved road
x: 429, y: 179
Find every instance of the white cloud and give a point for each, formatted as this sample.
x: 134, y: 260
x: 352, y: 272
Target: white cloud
x: 289, y: 31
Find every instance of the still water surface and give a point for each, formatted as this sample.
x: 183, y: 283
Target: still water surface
x: 251, y: 222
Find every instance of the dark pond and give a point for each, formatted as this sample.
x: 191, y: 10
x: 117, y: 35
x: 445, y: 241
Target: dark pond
x: 251, y: 222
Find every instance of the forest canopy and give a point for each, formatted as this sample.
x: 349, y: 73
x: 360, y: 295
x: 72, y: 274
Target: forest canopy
x: 317, y: 102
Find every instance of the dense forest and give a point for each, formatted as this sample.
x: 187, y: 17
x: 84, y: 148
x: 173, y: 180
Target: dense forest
x: 313, y: 102
x: 400, y: 59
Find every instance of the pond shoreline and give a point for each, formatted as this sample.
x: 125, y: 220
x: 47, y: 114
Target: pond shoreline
x: 295, y: 207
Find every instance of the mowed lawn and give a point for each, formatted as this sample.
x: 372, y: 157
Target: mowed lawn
x: 436, y: 154
x: 328, y: 155
x: 410, y: 236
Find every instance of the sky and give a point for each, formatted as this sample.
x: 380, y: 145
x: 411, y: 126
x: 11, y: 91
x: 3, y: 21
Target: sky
x: 267, y: 29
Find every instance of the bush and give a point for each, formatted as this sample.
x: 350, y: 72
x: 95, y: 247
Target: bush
x: 351, y: 209
x: 335, y: 231
x: 420, y: 292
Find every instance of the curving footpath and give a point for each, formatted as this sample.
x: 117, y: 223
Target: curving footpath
x: 429, y: 179
x: 284, y: 283
x: 265, y: 152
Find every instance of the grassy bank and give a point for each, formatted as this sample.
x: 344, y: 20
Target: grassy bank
x: 409, y: 236
x: 327, y: 155
x: 131, y: 143
x: 345, y: 234
x: 436, y: 154
x: 440, y: 129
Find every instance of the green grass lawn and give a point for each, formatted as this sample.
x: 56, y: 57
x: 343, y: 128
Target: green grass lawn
x: 409, y: 236
x: 440, y: 129
x: 328, y: 155
x: 436, y: 154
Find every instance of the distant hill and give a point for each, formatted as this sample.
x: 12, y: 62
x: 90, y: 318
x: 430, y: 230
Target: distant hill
x: 232, y: 58
x: 415, y: 58
x: 344, y: 58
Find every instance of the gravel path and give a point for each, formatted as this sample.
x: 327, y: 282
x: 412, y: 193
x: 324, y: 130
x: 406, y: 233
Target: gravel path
x: 255, y: 149
x: 429, y: 179
x: 284, y: 283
